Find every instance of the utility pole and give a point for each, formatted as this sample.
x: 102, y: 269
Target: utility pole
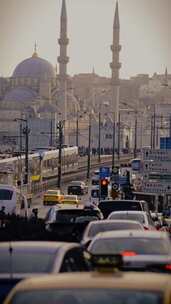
x: 151, y: 133
x: 21, y: 144
x: 119, y: 122
x: 76, y: 141
x: 26, y: 132
x: 135, y: 136
x: 154, y: 128
x: 113, y: 147
x: 51, y: 132
x: 60, y: 128
x: 89, y: 148
x: 99, y: 139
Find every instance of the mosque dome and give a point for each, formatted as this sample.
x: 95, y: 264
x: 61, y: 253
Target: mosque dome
x: 34, y: 67
x: 20, y: 94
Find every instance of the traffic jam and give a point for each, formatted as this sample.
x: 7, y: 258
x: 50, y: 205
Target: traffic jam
x: 103, y: 241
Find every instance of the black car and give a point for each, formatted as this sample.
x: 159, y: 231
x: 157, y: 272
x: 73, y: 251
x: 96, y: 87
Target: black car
x: 77, y: 188
x: 108, y: 206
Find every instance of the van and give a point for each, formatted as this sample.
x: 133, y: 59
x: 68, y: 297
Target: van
x: 12, y: 201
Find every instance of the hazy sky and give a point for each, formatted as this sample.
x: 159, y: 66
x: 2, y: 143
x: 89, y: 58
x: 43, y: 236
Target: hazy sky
x: 145, y: 34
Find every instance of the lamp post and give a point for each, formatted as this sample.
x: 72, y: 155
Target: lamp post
x: 77, y: 126
x: 119, y: 133
x: 135, y: 136
x: 26, y: 132
x: 113, y: 146
x: 60, y: 127
x: 99, y: 139
x: 89, y: 148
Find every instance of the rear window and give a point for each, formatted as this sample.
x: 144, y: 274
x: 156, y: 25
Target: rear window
x: 137, y: 245
x: 88, y: 296
x: 6, y: 194
x: 72, y: 215
x: 95, y: 229
x: 107, y: 207
x: 127, y: 216
x: 26, y: 261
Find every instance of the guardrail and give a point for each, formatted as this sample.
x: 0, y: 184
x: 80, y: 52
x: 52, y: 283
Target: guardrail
x: 106, y: 160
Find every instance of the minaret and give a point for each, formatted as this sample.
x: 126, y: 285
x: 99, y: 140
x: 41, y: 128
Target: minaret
x: 165, y: 78
x: 63, y: 60
x: 63, y: 42
x: 115, y: 64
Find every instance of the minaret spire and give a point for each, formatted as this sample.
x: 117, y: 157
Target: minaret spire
x: 116, y: 23
x: 63, y: 42
x: 35, y: 50
x: 115, y: 65
x: 63, y: 60
x: 166, y: 78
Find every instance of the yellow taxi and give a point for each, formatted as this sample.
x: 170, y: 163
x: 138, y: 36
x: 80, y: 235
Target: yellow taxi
x: 102, y: 286
x: 52, y: 197
x: 70, y: 199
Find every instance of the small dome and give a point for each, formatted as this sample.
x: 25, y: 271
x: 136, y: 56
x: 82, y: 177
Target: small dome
x: 20, y: 95
x: 34, y: 67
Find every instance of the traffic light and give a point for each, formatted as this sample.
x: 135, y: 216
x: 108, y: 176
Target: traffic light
x: 104, y: 188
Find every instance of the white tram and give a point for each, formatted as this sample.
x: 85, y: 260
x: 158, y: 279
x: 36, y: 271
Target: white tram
x: 42, y: 165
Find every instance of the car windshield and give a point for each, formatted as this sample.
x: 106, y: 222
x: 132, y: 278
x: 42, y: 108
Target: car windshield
x: 137, y: 245
x: 26, y: 261
x: 102, y: 227
x: 128, y: 216
x: 87, y: 296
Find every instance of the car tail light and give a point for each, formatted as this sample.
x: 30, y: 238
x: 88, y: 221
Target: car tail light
x: 168, y: 267
x: 128, y: 253
x: 146, y: 228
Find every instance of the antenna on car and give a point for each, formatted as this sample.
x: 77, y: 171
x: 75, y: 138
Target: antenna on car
x: 10, y: 254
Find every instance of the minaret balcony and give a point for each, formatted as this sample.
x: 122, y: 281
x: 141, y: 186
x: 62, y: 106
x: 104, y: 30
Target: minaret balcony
x: 63, y: 41
x: 115, y: 48
x: 63, y: 60
x: 115, y: 66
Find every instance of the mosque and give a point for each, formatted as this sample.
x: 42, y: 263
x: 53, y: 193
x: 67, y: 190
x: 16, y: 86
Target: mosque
x: 38, y: 93
x: 35, y: 91
x: 43, y: 94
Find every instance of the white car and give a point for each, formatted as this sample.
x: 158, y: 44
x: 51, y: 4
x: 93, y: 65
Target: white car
x: 95, y: 227
x: 140, y: 216
x: 132, y: 243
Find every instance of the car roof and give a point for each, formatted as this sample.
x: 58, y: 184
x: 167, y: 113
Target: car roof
x: 53, y: 190
x: 122, y: 201
x: 64, y: 206
x: 77, y: 182
x: 34, y: 245
x: 103, y: 222
x: 131, y: 280
x: 132, y: 234
x: 129, y: 212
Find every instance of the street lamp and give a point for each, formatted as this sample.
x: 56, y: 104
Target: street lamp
x: 26, y: 132
x: 60, y: 127
x: 113, y: 139
x: 89, y: 148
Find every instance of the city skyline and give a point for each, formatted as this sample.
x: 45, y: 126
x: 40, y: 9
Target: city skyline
x: 145, y: 41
